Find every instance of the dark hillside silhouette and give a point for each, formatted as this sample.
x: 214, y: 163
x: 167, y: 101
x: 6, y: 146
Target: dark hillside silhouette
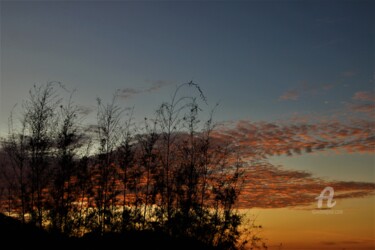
x: 17, y: 235
x: 165, y: 182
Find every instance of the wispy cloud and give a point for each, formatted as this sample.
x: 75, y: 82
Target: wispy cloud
x: 349, y: 73
x: 363, y: 108
x: 305, y: 89
x: 158, y: 85
x: 130, y: 92
x: 85, y: 110
x: 363, y: 102
x: 289, y: 95
x: 263, y: 139
x: 364, y: 96
x: 268, y: 186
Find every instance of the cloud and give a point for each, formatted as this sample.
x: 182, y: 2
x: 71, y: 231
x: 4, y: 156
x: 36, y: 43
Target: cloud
x: 264, y: 139
x: 363, y: 102
x: 157, y: 85
x: 306, y: 89
x: 351, y: 242
x: 91, y: 129
x: 340, y: 243
x: 363, y: 108
x: 268, y: 186
x: 290, y: 95
x: 349, y: 73
x: 130, y: 92
x: 364, y: 96
x: 85, y: 110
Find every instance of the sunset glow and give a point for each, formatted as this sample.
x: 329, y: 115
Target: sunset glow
x: 294, y: 82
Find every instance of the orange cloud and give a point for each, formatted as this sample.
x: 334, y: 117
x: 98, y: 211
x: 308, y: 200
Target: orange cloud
x: 268, y: 186
x: 364, y: 103
x: 265, y: 139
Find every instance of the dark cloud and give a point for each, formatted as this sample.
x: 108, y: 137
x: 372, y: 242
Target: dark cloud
x: 91, y: 128
x: 130, y: 92
x: 84, y: 110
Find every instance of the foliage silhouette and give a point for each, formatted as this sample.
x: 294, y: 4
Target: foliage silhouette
x: 114, y: 181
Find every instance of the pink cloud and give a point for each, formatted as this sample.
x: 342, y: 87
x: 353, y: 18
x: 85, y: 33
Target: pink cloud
x: 306, y: 89
x: 263, y: 139
x: 268, y: 186
x: 364, y: 103
x: 363, y: 108
x: 364, y: 96
x: 290, y: 95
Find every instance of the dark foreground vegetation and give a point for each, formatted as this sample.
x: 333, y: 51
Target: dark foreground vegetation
x: 160, y: 183
x: 16, y: 235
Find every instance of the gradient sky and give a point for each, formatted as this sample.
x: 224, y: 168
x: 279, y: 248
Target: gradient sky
x: 274, y: 63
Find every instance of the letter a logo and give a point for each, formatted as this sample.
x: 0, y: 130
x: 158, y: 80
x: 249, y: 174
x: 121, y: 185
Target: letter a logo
x: 329, y: 197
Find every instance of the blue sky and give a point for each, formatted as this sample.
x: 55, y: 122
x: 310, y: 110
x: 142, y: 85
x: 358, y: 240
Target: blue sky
x: 243, y: 54
x: 263, y: 61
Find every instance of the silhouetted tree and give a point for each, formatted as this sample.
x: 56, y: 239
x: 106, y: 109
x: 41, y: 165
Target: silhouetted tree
x: 169, y: 121
x: 83, y: 216
x: 16, y: 171
x: 40, y: 117
x: 148, y: 159
x: 68, y: 140
x: 109, y: 138
x: 126, y: 160
x: 169, y: 176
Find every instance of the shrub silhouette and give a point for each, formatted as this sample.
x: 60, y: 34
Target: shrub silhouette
x: 167, y: 178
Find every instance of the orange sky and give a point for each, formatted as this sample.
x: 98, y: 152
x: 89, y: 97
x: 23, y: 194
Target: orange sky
x: 299, y: 228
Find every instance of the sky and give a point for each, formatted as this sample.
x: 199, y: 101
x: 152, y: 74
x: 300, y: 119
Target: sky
x: 294, y: 81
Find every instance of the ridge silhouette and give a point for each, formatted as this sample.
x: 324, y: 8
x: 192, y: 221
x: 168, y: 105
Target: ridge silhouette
x: 18, y: 235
